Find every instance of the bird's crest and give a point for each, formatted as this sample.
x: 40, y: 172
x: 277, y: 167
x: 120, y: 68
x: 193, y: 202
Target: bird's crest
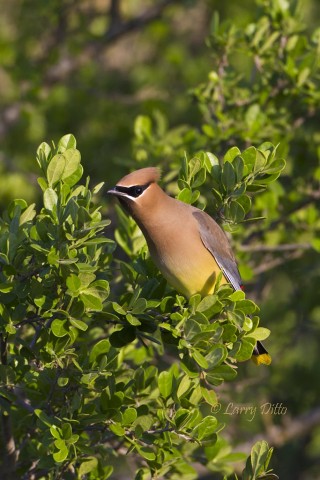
x: 143, y: 176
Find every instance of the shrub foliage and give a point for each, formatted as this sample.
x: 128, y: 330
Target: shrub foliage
x: 88, y: 375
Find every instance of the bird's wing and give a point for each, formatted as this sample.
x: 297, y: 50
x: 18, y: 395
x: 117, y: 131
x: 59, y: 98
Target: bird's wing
x: 216, y: 241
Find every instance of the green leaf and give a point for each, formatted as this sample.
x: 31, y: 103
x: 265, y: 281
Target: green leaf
x: 63, y: 381
x: 117, y: 308
x: 191, y: 328
x: 232, y: 153
x: 196, y: 396
x: 72, y: 162
x: 132, y: 320
x: 256, y: 187
x: 184, y: 386
x: 247, y: 324
x: 165, y: 383
x: 142, y: 127
x: 73, y: 283
x: 213, y: 160
x: 261, y: 160
x: 66, y: 142
x: 209, y: 305
x: 206, y: 428
x: 146, y: 453
x: 62, y: 454
x: 43, y: 154
x: 40, y: 301
x: 259, y: 455
x: 181, y: 417
x: 249, y: 157
x: 86, y: 278
x: 245, y: 202
x: 185, y: 195
x: 117, y: 429
x: 100, y: 348
x: 238, y: 165
x: 58, y: 328
x: 97, y: 188
x: 53, y: 257
x: 217, y: 355
x: 60, y: 443
x: 88, y: 464
x: 199, y: 358
x: 199, y: 179
x: 225, y: 372
x: 235, y: 212
x: 139, y: 306
x: 129, y: 416
x: 10, y: 329
x: 246, y: 306
x: 260, y: 333
x: 43, y: 184
x: 91, y: 301
x: 237, y: 295
x: 50, y: 199
x: 28, y: 214
x: 6, y: 287
x: 228, y: 177
x: 217, y: 195
x: 55, y: 169
x: 74, y: 177
x: 209, y: 396
x: 55, y: 432
x: 79, y: 324
x: 194, y: 166
x: 246, y: 349
x: 275, y: 167
x: 44, y: 417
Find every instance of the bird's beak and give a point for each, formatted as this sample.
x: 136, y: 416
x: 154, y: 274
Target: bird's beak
x: 115, y: 192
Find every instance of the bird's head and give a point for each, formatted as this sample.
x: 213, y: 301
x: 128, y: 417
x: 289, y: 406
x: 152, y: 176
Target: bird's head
x: 138, y: 191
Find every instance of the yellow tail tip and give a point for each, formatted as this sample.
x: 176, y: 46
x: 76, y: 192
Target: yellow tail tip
x: 262, y: 359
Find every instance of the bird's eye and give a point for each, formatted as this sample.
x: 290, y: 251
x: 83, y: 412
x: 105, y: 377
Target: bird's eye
x: 137, y: 191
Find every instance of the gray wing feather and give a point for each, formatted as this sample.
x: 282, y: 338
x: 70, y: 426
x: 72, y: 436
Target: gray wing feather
x: 216, y: 241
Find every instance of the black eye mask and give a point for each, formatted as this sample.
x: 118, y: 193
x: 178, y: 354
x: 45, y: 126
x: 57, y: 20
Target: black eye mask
x: 134, y: 191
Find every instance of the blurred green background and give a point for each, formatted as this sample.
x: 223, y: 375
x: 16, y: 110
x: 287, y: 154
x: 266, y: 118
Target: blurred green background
x: 91, y: 68
x: 64, y: 70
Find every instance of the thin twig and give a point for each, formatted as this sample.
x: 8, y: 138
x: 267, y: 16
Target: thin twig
x: 151, y: 14
x: 115, y: 16
x: 22, y: 402
x: 312, y: 197
x: 276, y: 262
x: 285, y: 247
x: 67, y: 64
x: 288, y: 430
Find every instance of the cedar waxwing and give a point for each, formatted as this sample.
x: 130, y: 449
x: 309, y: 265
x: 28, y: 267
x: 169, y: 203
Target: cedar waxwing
x: 187, y: 245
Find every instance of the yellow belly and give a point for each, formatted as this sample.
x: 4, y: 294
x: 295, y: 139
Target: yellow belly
x: 177, y: 249
x: 190, y: 274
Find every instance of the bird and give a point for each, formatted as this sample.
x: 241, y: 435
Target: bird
x: 187, y: 245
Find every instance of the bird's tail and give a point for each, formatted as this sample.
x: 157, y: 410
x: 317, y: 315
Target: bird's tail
x: 260, y: 355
